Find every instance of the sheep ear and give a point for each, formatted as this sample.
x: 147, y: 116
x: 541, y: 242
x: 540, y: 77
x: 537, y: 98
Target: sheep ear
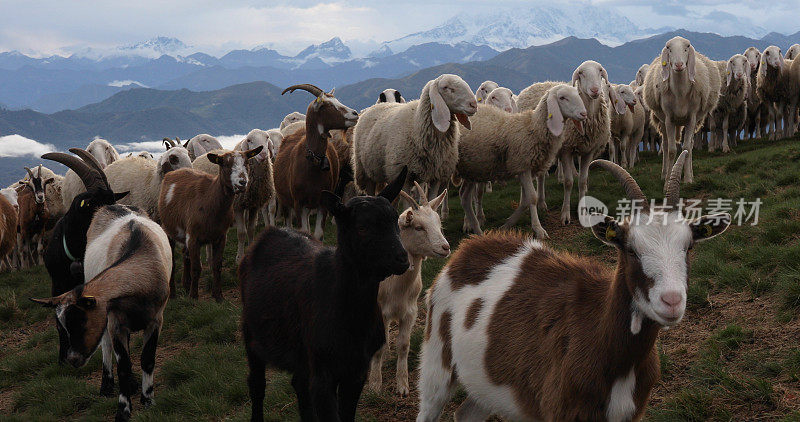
x: 555, y: 120
x: 439, y: 111
x: 664, y: 64
x: 604, y: 74
x: 619, y: 104
x: 690, y: 64
x: 439, y: 200
x: 747, y: 69
x: 575, y: 77
x: 729, y: 71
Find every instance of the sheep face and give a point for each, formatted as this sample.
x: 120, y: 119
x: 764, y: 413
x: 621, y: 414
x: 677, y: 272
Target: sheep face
x: 292, y: 118
x: 276, y: 139
x: 641, y: 74
x: 793, y: 52
x: 233, y: 167
x: 367, y: 230
x: 390, y: 96
x: 639, y: 92
x: 738, y: 69
x: 83, y: 318
x: 771, y: 58
x: 503, y: 99
x: 256, y: 138
x: 202, y: 144
x: 676, y: 56
x: 103, y: 151
x: 590, y: 77
x: 627, y: 96
x: 146, y: 155
x: 753, y: 57
x: 175, y: 158
x: 332, y: 114
x: 564, y: 102
x: 421, y: 228
x: 484, y: 90
x: 451, y: 95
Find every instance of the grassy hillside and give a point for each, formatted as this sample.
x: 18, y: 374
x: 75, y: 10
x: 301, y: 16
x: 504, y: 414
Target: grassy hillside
x: 735, y: 356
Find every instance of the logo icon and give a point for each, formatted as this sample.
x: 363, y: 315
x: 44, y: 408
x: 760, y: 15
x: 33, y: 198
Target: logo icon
x: 591, y: 211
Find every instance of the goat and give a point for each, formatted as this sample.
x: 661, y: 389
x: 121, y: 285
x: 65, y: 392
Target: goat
x: 65, y: 250
x: 32, y: 218
x: 8, y: 230
x: 306, y: 163
x: 196, y: 209
x: 421, y: 236
x: 128, y: 262
x: 536, y: 334
x: 313, y: 310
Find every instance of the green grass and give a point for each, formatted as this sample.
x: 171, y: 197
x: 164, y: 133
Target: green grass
x: 726, y: 375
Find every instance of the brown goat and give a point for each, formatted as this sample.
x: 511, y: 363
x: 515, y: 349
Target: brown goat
x: 32, y: 218
x: 196, y: 209
x: 306, y: 163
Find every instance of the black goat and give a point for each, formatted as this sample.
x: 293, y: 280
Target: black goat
x: 312, y: 310
x: 64, y: 254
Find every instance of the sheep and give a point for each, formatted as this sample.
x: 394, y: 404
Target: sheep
x: 293, y: 128
x: 196, y: 209
x: 269, y: 212
x: 775, y: 88
x: 503, y: 99
x: 591, y: 79
x: 641, y: 73
x: 390, y: 95
x: 65, y: 251
x: 732, y: 104
x: 292, y: 117
x: 504, y: 145
x: 532, y: 333
x: 104, y: 153
x: 127, y: 267
x: 421, y: 134
x: 307, y: 164
x: 421, y: 236
x: 792, y: 52
x: 313, y: 310
x: 260, y: 187
x: 32, y: 218
x: 680, y: 90
x: 627, y: 128
x: 142, y: 177
x: 201, y: 144
x: 483, y: 91
x: 757, y: 114
x: 8, y: 226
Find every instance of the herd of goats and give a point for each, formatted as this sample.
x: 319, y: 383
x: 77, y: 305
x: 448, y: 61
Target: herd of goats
x: 528, y: 331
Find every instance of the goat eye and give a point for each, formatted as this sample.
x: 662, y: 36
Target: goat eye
x: 562, y: 98
x: 419, y: 228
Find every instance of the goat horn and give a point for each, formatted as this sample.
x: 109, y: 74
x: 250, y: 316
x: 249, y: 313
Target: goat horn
x: 305, y: 87
x: 422, y: 194
x: 39, y: 171
x: 89, y: 176
x: 30, y: 173
x: 632, y: 189
x: 673, y: 185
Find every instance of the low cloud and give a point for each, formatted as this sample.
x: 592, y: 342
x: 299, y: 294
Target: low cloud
x: 19, y: 146
x: 126, y: 82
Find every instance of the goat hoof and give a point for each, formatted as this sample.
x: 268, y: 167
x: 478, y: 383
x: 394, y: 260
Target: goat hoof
x: 122, y: 416
x: 147, y: 401
x: 107, y: 389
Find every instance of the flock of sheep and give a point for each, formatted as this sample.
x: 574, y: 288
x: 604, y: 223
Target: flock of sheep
x: 196, y: 190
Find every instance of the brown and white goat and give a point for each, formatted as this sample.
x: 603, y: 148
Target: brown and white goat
x: 536, y: 334
x: 8, y: 231
x: 307, y: 163
x: 128, y: 262
x: 421, y: 236
x: 196, y: 209
x: 32, y: 218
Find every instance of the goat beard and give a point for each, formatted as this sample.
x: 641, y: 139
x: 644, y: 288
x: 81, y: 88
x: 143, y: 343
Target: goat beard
x: 464, y: 120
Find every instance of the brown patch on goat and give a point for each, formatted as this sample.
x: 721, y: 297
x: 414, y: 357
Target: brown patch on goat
x: 447, y: 340
x: 472, y: 313
x: 491, y: 250
x: 429, y: 319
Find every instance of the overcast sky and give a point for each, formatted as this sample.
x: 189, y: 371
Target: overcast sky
x: 51, y: 26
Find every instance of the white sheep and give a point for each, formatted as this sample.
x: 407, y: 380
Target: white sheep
x: 422, y: 135
x: 757, y: 113
x: 681, y: 88
x: 142, y: 177
x: 483, y: 91
x: 503, y: 99
x: 71, y: 185
x: 390, y: 95
x: 292, y: 117
x: 201, y: 144
x: 640, y: 75
x: 421, y: 236
x: 626, y: 128
x: 792, y: 52
x: 504, y: 145
x: 775, y: 88
x: 270, y: 211
x: 590, y: 78
x: 260, y: 186
x: 730, y: 115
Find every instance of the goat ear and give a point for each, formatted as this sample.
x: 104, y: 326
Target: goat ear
x: 555, y: 120
x: 406, y: 218
x: 609, y: 232
x: 664, y: 64
x: 50, y: 302
x: 120, y: 195
x: 729, y: 72
x: 398, y: 97
x: 382, y: 97
x: 393, y: 189
x: 708, y: 226
x: 167, y: 143
x: 214, y: 158
x: 86, y: 302
x: 438, y: 200
x: 332, y: 203
x: 253, y: 152
x: 48, y: 181
x: 691, y: 63
x: 440, y: 113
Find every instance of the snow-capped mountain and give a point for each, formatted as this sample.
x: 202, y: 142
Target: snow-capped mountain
x: 161, y: 45
x: 332, y: 50
x: 524, y: 27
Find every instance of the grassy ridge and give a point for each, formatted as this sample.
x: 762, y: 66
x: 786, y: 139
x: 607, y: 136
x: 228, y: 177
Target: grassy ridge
x: 735, y: 355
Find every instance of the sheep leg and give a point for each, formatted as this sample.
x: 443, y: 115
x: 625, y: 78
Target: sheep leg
x: 193, y: 248
x: 289, y: 219
x: 471, y: 411
x: 479, y: 191
x: 583, y: 181
x: 376, y: 364
x: 252, y: 220
x: 148, y: 360
x: 688, y: 174
x: 318, y: 229
x: 542, y: 204
x: 304, y: 219
x: 526, y: 180
x: 567, y: 163
x: 241, y: 235
x: 218, y: 249
x: 471, y: 224
x: 725, y: 147
x: 612, y: 151
x: 402, y: 344
x: 668, y: 146
x: 623, y: 151
x: 775, y: 121
x: 107, y: 382
x: 559, y: 172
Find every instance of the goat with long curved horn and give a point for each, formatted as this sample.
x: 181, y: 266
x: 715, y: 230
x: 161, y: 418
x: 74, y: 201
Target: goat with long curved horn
x: 672, y: 187
x: 305, y: 87
x: 92, y: 178
x: 632, y: 189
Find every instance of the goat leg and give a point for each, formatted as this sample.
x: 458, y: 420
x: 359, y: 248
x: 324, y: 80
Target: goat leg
x: 218, y: 249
